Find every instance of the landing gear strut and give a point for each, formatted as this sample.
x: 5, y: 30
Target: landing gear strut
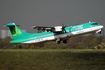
x: 58, y: 41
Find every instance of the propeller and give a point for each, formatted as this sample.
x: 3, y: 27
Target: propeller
x: 63, y: 27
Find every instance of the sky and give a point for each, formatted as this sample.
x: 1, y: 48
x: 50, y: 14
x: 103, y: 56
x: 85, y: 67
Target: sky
x: 28, y: 13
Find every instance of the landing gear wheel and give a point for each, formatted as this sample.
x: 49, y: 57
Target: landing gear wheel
x: 65, y: 41
x: 100, y: 32
x: 58, y: 42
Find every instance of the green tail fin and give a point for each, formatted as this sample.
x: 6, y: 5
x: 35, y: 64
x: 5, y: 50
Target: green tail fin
x: 15, y: 31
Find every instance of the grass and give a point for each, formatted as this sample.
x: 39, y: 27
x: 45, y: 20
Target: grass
x: 52, y: 59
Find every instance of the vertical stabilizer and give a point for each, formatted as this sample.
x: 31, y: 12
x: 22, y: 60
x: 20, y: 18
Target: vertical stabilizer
x: 15, y: 31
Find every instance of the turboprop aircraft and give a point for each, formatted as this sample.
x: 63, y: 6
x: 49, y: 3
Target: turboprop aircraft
x: 57, y: 33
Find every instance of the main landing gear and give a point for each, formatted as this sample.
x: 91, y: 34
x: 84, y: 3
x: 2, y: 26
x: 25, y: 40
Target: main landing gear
x: 58, y: 41
x: 64, y: 41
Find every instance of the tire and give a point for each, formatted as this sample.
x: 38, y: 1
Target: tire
x: 58, y: 42
x: 65, y: 41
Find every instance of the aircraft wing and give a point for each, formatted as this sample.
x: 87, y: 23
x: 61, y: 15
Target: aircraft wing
x: 43, y: 28
x: 52, y: 29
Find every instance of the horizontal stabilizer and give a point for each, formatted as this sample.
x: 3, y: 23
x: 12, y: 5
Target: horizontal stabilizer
x: 10, y: 25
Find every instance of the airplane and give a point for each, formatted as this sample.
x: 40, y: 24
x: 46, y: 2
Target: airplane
x: 57, y: 33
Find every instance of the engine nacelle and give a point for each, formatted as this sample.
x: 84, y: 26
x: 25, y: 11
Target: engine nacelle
x: 58, y: 28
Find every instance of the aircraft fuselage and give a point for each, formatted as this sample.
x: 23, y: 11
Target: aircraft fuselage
x: 60, y: 36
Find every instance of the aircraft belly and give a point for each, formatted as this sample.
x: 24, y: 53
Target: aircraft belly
x: 40, y: 40
x: 66, y: 35
x: 51, y: 38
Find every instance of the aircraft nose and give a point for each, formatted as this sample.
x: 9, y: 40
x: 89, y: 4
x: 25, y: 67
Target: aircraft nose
x: 102, y: 26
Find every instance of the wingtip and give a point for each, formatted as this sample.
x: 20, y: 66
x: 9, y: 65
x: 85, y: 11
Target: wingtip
x: 33, y: 27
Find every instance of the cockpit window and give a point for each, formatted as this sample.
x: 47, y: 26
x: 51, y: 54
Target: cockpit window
x: 94, y: 24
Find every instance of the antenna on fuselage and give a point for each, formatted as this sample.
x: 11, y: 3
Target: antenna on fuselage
x: 77, y: 22
x: 89, y: 21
